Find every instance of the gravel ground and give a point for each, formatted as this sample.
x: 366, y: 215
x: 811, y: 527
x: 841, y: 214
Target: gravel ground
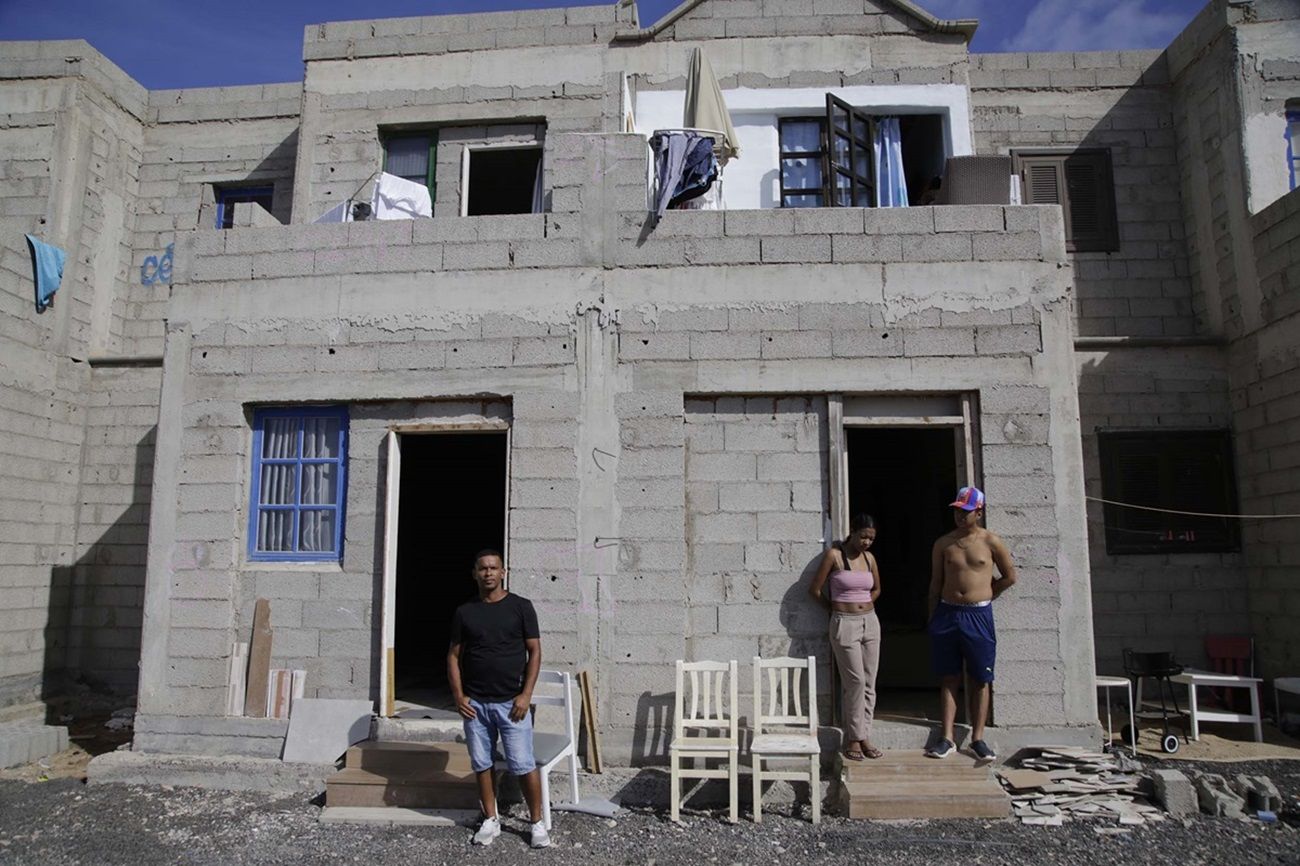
x: 64, y: 822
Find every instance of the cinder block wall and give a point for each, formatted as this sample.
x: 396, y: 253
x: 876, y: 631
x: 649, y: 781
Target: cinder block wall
x: 611, y: 485
x: 1120, y: 101
x: 1229, y: 72
x: 69, y: 146
x: 1265, y: 368
x: 1156, y: 601
x: 195, y: 140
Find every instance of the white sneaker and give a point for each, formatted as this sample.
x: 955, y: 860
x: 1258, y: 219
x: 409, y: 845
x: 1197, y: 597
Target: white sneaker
x: 488, y: 831
x: 540, y: 838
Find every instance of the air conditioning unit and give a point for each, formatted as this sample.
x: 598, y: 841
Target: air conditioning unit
x: 976, y: 180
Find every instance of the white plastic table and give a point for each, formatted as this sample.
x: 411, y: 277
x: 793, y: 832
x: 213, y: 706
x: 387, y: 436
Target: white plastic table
x: 1126, y: 684
x: 1209, y: 679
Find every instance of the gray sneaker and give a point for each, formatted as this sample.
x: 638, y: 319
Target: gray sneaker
x: 538, y: 837
x: 488, y: 831
x: 941, y: 749
x: 983, y: 753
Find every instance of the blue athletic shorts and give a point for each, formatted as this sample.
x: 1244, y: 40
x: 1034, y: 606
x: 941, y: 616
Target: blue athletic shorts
x: 491, y: 723
x: 959, y: 633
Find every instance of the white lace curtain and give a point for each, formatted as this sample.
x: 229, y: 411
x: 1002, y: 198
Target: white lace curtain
x: 284, y: 466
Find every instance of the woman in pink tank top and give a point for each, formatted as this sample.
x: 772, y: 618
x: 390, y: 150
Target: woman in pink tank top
x: 853, y: 578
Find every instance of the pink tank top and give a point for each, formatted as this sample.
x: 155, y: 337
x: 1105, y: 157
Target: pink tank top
x: 852, y: 587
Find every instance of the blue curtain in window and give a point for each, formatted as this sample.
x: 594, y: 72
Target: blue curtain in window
x: 891, y: 183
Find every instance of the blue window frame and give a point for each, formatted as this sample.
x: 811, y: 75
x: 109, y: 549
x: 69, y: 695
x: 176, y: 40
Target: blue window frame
x: 1293, y: 144
x: 228, y: 197
x: 295, y: 509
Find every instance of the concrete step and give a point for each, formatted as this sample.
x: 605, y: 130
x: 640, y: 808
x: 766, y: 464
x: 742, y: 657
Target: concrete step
x: 929, y: 798
x: 23, y: 742
x: 440, y: 730
x: 408, y: 759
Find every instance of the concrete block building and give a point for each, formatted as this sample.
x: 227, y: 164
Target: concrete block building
x: 662, y: 424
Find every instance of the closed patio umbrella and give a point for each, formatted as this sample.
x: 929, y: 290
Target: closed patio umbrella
x: 705, y: 108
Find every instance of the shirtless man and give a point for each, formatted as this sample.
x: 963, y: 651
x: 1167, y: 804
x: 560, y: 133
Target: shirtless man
x: 962, y: 589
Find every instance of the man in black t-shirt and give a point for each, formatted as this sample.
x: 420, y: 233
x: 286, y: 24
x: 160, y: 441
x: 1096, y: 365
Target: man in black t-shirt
x: 492, y: 665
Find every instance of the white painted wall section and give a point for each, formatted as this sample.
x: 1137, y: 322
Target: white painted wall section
x: 753, y: 180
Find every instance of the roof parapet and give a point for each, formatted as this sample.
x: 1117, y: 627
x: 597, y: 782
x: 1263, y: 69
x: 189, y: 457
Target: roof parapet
x: 964, y: 26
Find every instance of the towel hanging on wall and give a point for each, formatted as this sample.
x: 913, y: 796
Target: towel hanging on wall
x: 47, y: 271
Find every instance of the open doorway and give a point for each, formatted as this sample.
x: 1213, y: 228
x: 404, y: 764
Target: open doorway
x: 904, y: 477
x: 452, y: 503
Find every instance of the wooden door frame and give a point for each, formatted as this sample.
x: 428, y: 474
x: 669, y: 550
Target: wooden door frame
x: 392, y: 501
x: 962, y: 415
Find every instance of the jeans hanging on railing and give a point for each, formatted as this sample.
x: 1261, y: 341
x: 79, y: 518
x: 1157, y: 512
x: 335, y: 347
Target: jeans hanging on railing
x: 685, y: 168
x: 891, y: 182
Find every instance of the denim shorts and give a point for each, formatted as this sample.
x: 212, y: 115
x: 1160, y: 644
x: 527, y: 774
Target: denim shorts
x: 493, y: 721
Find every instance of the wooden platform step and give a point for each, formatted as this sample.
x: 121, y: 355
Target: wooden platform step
x: 938, y: 798
x: 914, y: 764
x: 404, y: 775
x: 906, y: 784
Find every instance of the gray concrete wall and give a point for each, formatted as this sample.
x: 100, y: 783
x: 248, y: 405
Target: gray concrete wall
x: 1232, y: 70
x: 1166, y: 601
x: 500, y: 68
x: 1265, y: 369
x: 70, y: 144
x: 1118, y: 101
x: 615, y: 411
x: 195, y: 140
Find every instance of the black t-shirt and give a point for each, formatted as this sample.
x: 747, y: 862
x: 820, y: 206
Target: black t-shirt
x: 491, y: 635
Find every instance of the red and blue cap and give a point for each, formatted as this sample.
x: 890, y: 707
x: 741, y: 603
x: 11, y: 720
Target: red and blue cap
x: 969, y: 499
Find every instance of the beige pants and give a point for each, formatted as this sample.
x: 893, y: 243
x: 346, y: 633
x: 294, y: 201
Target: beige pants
x: 855, y: 641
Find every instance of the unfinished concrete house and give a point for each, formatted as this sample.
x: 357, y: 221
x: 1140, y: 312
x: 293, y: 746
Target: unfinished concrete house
x: 663, y: 422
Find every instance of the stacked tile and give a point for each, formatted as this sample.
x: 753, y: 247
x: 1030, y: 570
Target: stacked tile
x: 1054, y: 785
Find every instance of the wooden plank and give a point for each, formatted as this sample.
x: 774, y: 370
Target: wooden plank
x: 259, y: 661
x: 589, y: 722
x: 236, y: 686
x: 279, y: 693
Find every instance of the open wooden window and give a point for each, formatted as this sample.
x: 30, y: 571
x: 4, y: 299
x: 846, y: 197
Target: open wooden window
x: 1081, y: 183
x: 850, y: 181
x: 827, y: 161
x: 1175, y: 471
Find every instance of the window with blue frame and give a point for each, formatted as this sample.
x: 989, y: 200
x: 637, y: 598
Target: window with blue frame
x: 299, y: 484
x: 228, y: 197
x: 1293, y: 144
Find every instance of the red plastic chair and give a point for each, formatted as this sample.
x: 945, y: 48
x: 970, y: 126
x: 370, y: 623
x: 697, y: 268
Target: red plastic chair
x: 1235, y: 656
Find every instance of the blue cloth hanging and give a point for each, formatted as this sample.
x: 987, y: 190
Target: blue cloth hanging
x: 47, y: 270
x: 891, y: 182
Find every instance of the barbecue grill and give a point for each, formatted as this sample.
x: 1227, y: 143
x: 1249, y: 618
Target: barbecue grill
x: 1161, y: 667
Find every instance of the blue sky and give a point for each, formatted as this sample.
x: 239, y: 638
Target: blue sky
x: 170, y: 43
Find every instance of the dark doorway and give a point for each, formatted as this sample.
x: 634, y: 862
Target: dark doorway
x: 452, y: 503
x: 502, y: 180
x: 905, y: 478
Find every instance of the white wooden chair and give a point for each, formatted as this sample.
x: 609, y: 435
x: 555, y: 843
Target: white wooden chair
x: 554, y: 688
x: 702, y: 711
x: 782, y: 702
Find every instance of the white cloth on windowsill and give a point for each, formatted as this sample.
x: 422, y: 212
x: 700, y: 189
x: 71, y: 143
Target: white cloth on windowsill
x: 397, y: 198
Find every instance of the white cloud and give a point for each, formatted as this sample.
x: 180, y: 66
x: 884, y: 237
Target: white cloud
x: 1093, y: 25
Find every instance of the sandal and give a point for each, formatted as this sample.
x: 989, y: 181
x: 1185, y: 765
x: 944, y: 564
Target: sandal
x: 873, y: 753
x: 855, y: 755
